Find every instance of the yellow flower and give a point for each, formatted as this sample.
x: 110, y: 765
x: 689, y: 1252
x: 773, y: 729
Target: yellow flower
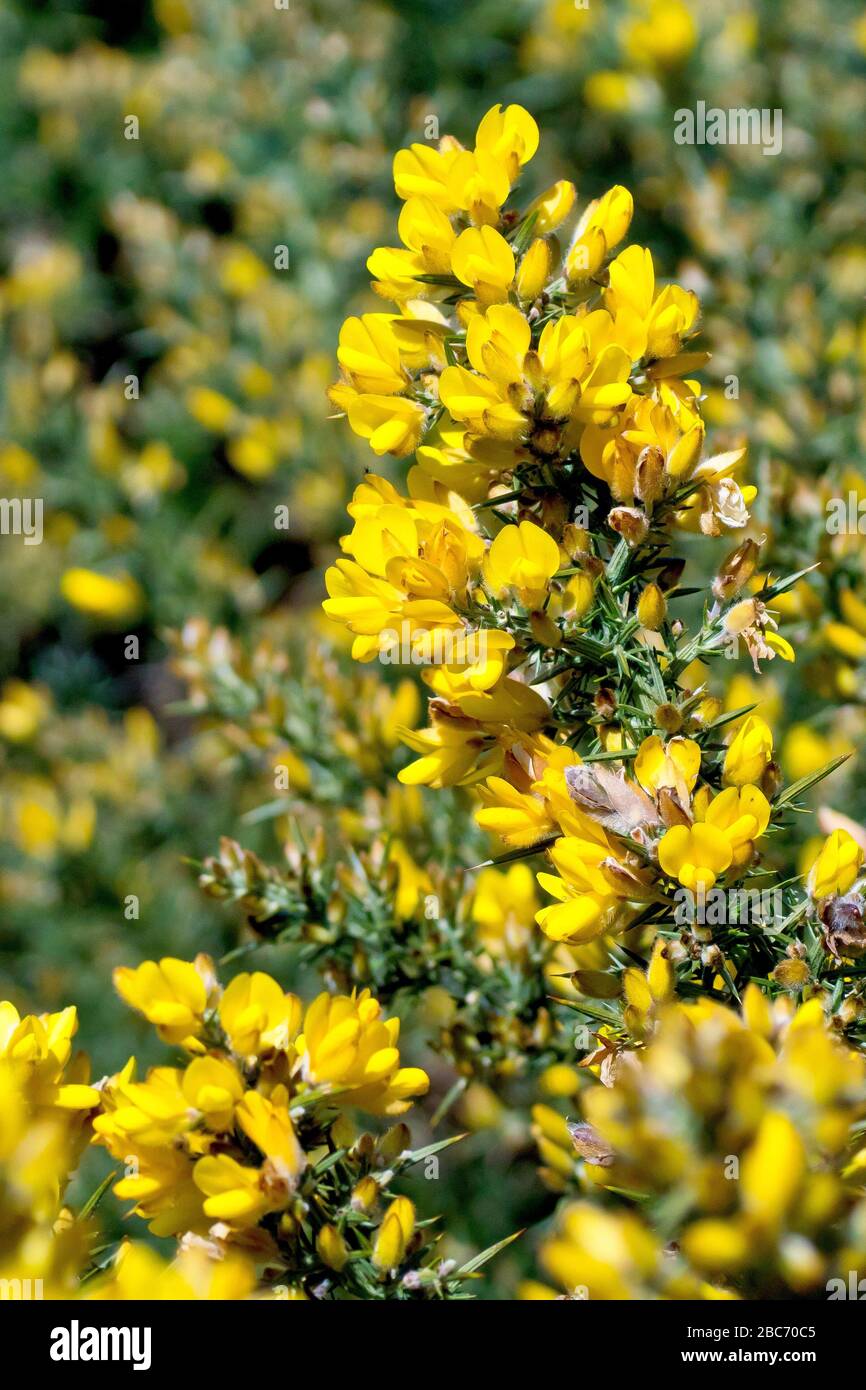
x: 159, y: 1181
x: 715, y: 1245
x: 609, y: 90
x: 694, y: 855
x: 211, y: 409
x: 348, y: 1046
x: 428, y: 239
x: 23, y: 708
x: 509, y: 136
x: 483, y: 260
x: 212, y: 1087
x: 603, y: 224
x: 772, y: 1170
x: 523, y: 558
x: 479, y: 184
x: 455, y: 752
x: 742, y: 814
x: 585, y: 893
x: 241, y: 271
x: 749, y: 752
x: 503, y: 908
x: 579, y: 368
x: 390, y: 424
x: 40, y: 1046
x: 394, y: 1234
x: 837, y: 866
x: 428, y: 233
x: 654, y: 446
x: 412, y: 558
x: 109, y: 598
x: 268, y: 1124
x: 413, y: 883
x: 254, y: 453
x: 674, y: 764
x: 662, y: 35
x: 806, y: 750
x: 423, y: 172
x: 173, y: 995
x: 518, y: 818
x: 139, y: 1273
x: 656, y: 323
x: 845, y: 640
x: 607, y: 1254
x: 258, y: 1017
x: 235, y: 1193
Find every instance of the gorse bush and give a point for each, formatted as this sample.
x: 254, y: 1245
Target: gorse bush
x: 573, y: 885
x: 520, y: 887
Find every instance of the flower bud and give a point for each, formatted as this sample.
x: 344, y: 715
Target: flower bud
x: 649, y: 475
x: 791, y: 974
x: 394, y: 1142
x: 837, y: 866
x: 651, y: 608
x: 685, y: 453
x: 365, y: 1195
x: 630, y: 523
x: 394, y: 1234
x: 707, y: 710
x: 332, y: 1248
x: 552, y: 207
x: 736, y: 570
x: 534, y: 271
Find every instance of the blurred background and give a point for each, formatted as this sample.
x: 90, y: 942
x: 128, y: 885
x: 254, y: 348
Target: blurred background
x: 190, y: 192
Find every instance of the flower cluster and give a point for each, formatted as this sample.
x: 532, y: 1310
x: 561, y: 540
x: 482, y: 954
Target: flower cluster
x: 47, y: 1103
x: 738, y: 1132
x: 537, y: 589
x: 246, y: 1153
x: 529, y: 568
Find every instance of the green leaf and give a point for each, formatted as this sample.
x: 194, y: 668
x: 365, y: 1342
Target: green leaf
x: 782, y: 585
x: 726, y: 718
x: 488, y: 1254
x: 448, y: 1100
x: 97, y: 1195
x: 804, y: 783
x: 513, y: 854
x: 418, y: 1155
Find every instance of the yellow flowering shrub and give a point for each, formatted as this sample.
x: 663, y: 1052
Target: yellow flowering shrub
x: 503, y: 809
x: 246, y: 1153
